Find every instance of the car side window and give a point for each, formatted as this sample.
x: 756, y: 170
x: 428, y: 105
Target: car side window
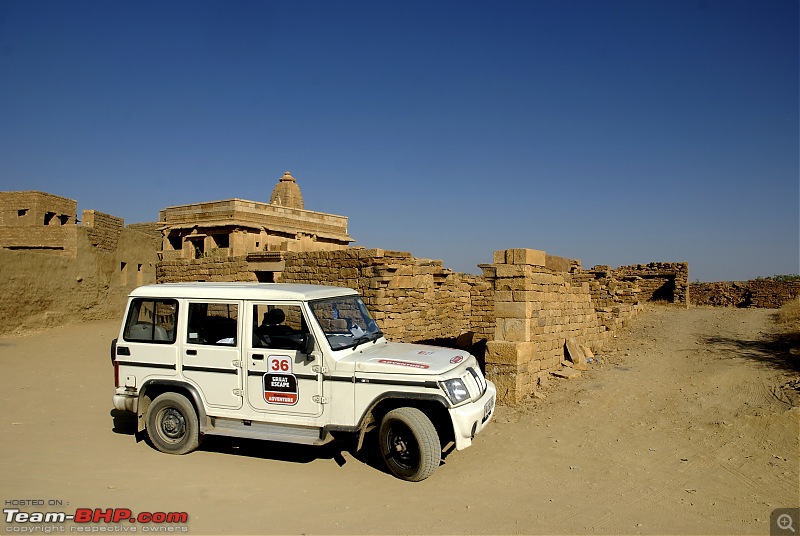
x: 151, y: 320
x: 278, y: 326
x: 213, y: 323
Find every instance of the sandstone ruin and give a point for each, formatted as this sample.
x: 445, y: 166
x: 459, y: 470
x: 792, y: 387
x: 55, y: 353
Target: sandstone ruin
x: 517, y: 316
x: 527, y: 315
x: 59, y: 270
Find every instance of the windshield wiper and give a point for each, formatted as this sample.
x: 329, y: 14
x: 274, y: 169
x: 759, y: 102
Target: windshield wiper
x: 366, y: 338
x: 359, y: 340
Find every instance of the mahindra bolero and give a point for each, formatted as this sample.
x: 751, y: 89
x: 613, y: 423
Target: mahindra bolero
x: 293, y: 363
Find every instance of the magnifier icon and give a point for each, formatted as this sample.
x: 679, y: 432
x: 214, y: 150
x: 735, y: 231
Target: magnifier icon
x: 784, y: 522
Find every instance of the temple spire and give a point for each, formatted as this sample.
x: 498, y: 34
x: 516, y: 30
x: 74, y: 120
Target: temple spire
x: 287, y: 193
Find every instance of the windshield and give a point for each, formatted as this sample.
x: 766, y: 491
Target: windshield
x: 345, y: 321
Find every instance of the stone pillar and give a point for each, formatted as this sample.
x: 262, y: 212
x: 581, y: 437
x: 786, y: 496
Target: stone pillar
x: 511, y: 358
x: 238, y: 243
x: 681, y: 294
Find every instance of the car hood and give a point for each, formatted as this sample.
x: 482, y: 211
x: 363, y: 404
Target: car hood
x: 405, y: 358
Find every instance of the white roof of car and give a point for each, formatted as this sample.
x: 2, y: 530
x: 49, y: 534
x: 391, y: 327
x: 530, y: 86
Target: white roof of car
x: 241, y: 291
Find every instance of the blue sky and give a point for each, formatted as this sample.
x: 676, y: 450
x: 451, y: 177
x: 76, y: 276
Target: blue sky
x: 613, y: 131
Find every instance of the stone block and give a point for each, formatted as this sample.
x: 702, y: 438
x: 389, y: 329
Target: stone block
x: 513, y: 329
x: 558, y: 264
x: 504, y: 295
x: 575, y: 354
x: 540, y: 278
x: 489, y: 270
x: 514, y: 283
x: 510, y: 270
x: 500, y: 257
x: 511, y: 387
x: 567, y: 373
x: 509, y: 353
x: 532, y: 257
x: 503, y: 309
x: 526, y: 295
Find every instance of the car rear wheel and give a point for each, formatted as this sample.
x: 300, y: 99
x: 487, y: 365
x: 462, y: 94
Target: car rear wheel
x: 172, y: 424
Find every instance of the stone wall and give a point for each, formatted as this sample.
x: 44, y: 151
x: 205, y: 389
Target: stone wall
x: 41, y: 291
x: 56, y: 271
x: 753, y: 293
x: 152, y: 229
x: 412, y: 299
x: 638, y: 283
x: 37, y: 221
x: 35, y: 209
x: 205, y: 269
x: 522, y: 312
x: 45, y: 239
x: 103, y: 230
x: 537, y: 312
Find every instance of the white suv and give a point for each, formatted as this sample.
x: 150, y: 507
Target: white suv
x: 291, y: 363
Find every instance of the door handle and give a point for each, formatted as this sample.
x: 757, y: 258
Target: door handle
x: 258, y: 357
x: 191, y: 352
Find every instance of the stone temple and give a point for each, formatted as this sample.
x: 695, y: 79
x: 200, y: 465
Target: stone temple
x: 237, y: 227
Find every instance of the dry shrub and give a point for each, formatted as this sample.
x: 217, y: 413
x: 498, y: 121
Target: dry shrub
x: 789, y: 316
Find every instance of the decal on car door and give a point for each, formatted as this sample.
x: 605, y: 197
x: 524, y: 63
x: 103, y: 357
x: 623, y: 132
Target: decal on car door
x: 280, y: 385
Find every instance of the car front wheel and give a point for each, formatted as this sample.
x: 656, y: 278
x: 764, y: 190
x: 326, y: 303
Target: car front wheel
x: 409, y: 444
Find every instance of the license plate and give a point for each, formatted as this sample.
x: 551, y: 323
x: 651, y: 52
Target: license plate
x: 487, y: 409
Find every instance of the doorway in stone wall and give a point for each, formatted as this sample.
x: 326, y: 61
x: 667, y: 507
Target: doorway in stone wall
x: 265, y: 277
x: 665, y: 292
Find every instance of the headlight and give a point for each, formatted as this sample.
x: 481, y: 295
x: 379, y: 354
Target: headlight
x: 456, y: 390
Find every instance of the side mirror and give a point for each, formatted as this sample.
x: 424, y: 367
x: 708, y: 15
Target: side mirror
x: 308, y: 345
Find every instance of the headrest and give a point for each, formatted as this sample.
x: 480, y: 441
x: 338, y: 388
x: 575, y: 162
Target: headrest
x: 275, y: 316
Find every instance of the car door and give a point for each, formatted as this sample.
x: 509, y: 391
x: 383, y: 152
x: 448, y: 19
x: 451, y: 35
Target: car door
x: 212, y: 351
x: 281, y: 379
x: 148, y: 346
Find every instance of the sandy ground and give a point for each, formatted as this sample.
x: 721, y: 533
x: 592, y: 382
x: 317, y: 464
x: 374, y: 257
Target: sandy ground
x: 688, y: 427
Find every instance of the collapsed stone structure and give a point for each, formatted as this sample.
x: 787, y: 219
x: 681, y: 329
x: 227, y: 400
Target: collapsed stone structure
x: 518, y: 316
x: 523, y: 317
x: 548, y: 315
x: 766, y: 293
x: 59, y: 270
x: 537, y: 311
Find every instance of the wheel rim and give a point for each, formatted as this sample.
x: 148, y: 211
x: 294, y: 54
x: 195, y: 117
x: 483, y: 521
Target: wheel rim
x: 401, y: 447
x: 171, y: 425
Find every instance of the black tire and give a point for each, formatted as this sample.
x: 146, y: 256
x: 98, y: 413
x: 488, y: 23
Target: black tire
x: 409, y: 444
x: 172, y: 424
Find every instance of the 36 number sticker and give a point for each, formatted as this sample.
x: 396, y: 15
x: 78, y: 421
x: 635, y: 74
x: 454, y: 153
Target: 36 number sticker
x: 280, y: 364
x: 280, y: 385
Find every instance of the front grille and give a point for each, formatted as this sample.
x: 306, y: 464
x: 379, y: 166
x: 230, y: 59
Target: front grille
x: 479, y: 380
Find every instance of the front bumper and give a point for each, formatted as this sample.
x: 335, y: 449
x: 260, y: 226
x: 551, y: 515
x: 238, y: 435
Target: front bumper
x: 471, y: 418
